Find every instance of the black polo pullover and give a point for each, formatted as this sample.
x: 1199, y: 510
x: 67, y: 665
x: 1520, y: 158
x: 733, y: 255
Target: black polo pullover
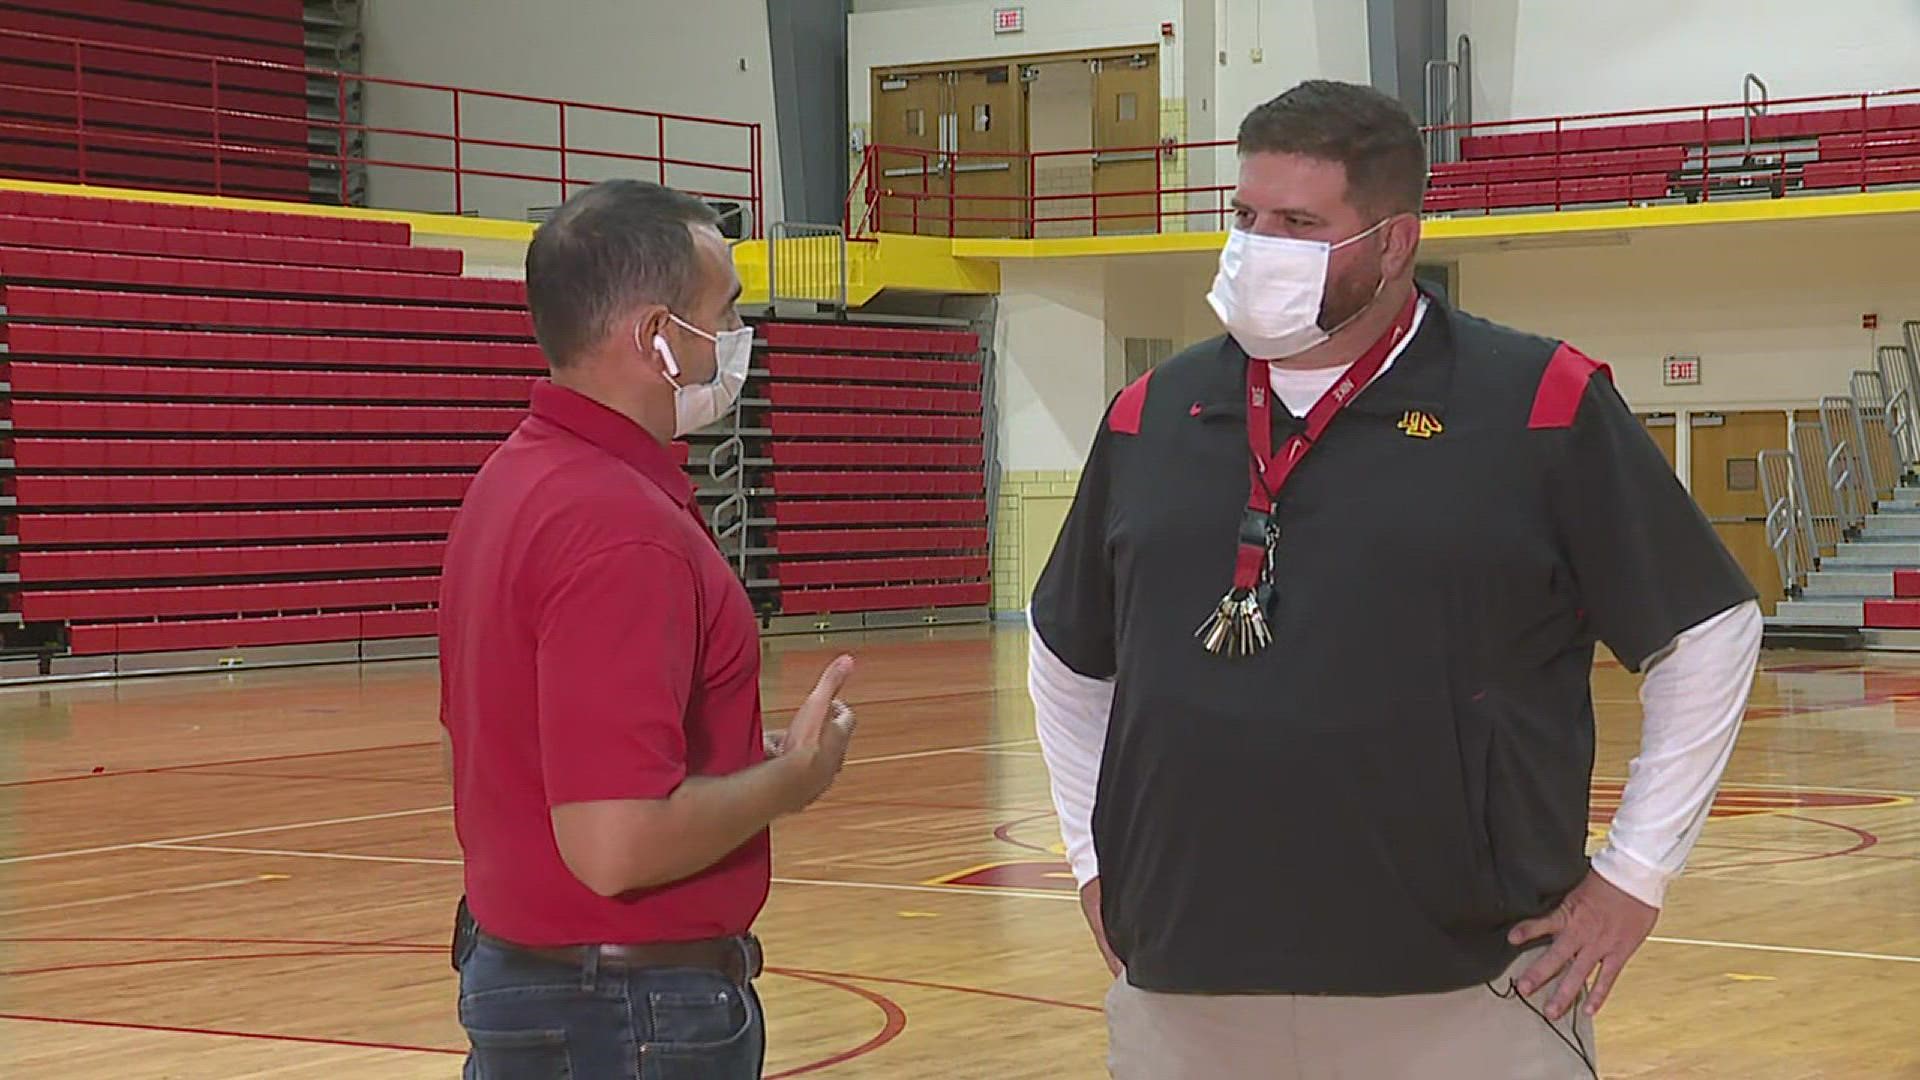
x: 1367, y: 805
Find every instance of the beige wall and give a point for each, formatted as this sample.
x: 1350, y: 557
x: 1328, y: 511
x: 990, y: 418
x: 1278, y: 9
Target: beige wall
x: 1773, y: 311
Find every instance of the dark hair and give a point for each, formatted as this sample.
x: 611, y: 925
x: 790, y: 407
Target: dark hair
x: 617, y: 243
x: 1357, y: 126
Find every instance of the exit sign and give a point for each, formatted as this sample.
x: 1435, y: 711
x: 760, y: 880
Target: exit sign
x: 1683, y: 371
x: 1009, y: 20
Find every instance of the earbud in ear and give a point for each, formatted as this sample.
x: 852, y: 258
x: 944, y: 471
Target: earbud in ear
x: 666, y: 355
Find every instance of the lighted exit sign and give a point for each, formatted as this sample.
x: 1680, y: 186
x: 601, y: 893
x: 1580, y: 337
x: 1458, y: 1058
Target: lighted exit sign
x: 1683, y: 371
x: 1009, y: 20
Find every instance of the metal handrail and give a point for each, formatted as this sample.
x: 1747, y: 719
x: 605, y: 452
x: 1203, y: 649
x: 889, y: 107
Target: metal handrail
x: 814, y: 266
x: 1785, y: 530
x: 1749, y: 110
x: 1843, y: 476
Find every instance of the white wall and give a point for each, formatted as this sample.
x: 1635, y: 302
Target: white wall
x: 1772, y: 311
x: 1052, y: 348
x: 1547, y: 57
x: 672, y: 57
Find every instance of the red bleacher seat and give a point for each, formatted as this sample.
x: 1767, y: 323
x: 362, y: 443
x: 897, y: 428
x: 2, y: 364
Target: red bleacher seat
x: 1892, y: 144
x: 788, y: 425
x: 232, y: 28
x: 884, y: 369
x: 1604, y: 189
x: 30, y: 453
x: 882, y: 571
x: 791, y: 542
x: 242, y: 278
x: 885, y: 598
x: 143, y: 417
x: 203, y: 218
x: 1906, y: 584
x: 31, y: 147
x: 887, y: 512
x: 883, y: 339
x: 1565, y: 166
x: 86, y: 605
x: 79, y: 236
x: 879, y: 399
x: 230, y: 526
x: 233, y: 490
x: 901, y: 482
x: 1874, y: 171
x: 137, y: 564
x: 103, y: 639
x: 304, y: 350
x: 102, y: 34
x: 248, y: 384
x: 47, y: 303
x: 871, y: 455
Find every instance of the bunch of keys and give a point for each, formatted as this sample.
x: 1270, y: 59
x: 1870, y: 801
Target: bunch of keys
x: 1238, y: 626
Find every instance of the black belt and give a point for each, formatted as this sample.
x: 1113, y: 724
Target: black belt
x: 736, y: 958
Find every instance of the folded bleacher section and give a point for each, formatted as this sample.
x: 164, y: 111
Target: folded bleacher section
x: 1589, y: 161
x: 878, y: 475
x: 232, y: 429
x: 149, y: 116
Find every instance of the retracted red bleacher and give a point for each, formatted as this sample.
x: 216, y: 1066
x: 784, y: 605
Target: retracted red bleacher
x: 145, y: 105
x: 878, y: 468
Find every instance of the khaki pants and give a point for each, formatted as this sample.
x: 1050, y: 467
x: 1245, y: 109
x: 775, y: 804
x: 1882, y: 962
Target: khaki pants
x: 1469, y: 1034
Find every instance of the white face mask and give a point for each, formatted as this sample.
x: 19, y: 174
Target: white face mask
x: 698, y: 405
x: 1269, y: 289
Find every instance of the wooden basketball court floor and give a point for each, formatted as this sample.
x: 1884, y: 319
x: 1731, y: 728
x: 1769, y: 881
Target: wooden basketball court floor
x: 251, y: 874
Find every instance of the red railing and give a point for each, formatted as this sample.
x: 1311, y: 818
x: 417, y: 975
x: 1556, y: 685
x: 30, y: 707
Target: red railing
x: 119, y: 114
x: 1781, y: 148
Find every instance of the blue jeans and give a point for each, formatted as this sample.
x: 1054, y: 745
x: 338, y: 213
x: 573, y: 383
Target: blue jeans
x: 530, y: 1018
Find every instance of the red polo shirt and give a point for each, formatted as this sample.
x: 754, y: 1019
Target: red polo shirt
x: 594, y: 644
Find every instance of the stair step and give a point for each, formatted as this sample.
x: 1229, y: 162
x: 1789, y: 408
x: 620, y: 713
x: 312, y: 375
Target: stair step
x: 1835, y: 584
x: 1892, y: 525
x: 1820, y: 613
x: 1828, y: 638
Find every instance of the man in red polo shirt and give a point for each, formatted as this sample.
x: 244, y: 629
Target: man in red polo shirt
x: 600, y: 672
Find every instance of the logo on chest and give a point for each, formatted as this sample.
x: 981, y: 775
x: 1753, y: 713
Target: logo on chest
x: 1420, y: 425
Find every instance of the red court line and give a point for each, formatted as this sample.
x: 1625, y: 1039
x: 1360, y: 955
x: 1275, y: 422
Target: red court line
x: 1002, y: 994
x: 1863, y: 841
x: 896, y: 1022
x: 213, y: 764
x: 127, y: 1025
x: 1004, y: 834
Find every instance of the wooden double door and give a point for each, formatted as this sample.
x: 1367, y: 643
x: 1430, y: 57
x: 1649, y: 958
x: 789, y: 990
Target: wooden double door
x: 954, y: 142
x: 1724, y: 475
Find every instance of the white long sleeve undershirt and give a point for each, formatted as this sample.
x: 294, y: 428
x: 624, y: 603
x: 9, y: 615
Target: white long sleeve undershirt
x: 1692, y: 698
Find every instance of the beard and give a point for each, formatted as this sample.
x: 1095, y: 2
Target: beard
x: 1347, y: 296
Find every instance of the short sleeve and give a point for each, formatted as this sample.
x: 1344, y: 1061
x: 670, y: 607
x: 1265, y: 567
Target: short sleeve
x: 1645, y: 560
x: 1072, y: 608
x: 615, y: 655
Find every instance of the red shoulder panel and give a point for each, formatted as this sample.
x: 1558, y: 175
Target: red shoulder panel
x: 1562, y: 386
x: 1124, y: 417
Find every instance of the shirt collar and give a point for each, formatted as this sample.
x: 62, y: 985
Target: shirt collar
x: 594, y: 423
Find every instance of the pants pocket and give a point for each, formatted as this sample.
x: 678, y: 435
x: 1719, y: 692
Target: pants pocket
x: 526, y: 1054
x: 702, y: 1035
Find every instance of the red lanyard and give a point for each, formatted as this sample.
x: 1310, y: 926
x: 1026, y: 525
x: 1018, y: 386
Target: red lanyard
x: 1271, y: 470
